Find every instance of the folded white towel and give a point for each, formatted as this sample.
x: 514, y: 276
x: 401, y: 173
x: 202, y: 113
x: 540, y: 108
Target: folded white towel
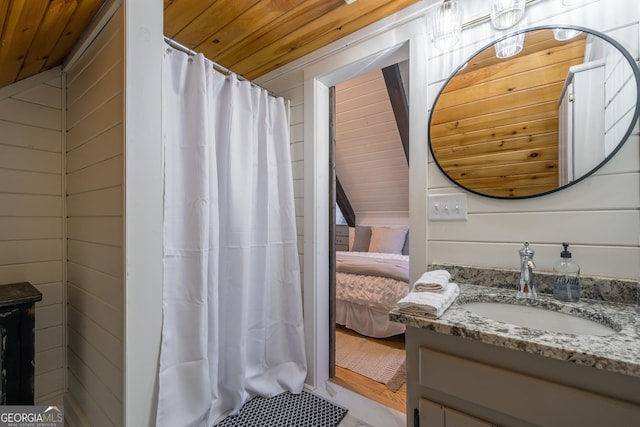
x: 429, y: 304
x: 432, y: 281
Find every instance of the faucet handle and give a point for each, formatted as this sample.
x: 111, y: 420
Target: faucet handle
x: 526, y: 251
x: 527, y: 287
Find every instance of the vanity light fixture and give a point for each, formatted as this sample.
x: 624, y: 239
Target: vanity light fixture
x: 446, y: 24
x: 510, y: 46
x: 562, y: 34
x: 506, y: 13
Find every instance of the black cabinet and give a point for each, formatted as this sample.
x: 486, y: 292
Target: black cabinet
x: 17, y: 342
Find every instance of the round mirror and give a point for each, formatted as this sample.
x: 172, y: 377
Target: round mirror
x: 535, y: 112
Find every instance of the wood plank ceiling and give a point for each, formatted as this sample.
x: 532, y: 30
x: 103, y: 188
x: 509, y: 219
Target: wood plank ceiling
x: 253, y: 37
x: 36, y: 35
x: 249, y: 37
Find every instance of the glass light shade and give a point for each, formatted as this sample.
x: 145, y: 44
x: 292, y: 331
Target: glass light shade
x: 562, y: 34
x: 446, y: 24
x: 506, y: 13
x: 510, y: 46
x: 571, y: 2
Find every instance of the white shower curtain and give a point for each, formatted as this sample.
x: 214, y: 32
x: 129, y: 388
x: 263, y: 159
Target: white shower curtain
x: 232, y: 306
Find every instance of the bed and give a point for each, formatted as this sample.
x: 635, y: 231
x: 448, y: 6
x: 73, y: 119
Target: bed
x: 371, y: 278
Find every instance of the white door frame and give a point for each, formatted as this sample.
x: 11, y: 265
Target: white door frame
x: 404, y: 42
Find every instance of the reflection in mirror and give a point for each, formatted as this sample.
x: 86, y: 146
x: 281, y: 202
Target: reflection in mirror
x: 539, y: 120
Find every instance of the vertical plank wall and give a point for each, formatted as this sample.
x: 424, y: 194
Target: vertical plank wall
x: 95, y: 203
x: 295, y: 95
x: 31, y: 229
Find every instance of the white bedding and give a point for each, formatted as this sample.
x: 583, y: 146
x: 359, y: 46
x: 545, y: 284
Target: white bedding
x: 368, y: 286
x: 395, y: 266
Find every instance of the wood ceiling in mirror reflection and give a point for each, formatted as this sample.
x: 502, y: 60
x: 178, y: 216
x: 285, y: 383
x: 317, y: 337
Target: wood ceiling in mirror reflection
x: 495, y: 125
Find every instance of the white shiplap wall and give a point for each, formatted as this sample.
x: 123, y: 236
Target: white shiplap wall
x: 599, y: 216
x: 31, y: 229
x: 95, y: 205
x: 295, y: 95
x: 370, y: 160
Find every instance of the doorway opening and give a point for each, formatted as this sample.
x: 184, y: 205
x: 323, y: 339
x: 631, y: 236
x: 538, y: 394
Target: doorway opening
x: 369, y: 218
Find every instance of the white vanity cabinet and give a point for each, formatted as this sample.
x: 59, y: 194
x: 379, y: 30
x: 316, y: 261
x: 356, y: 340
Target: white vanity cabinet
x: 432, y: 414
x: 459, y: 382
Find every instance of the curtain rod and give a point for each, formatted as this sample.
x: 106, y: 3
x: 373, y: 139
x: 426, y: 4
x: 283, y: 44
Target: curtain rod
x: 216, y: 66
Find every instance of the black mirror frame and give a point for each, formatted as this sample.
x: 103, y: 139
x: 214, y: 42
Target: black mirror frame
x: 634, y: 120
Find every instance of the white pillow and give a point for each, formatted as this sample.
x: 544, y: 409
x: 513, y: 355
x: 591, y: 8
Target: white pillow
x: 388, y: 240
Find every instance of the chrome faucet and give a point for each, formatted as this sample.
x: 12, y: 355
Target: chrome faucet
x: 527, y: 288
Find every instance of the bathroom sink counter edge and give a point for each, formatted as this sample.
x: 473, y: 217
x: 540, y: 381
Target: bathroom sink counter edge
x: 619, y: 352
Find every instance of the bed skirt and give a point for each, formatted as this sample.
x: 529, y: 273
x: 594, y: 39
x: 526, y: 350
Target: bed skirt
x: 366, y: 320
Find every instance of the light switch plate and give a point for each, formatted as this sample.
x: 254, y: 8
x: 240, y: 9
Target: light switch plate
x: 448, y: 207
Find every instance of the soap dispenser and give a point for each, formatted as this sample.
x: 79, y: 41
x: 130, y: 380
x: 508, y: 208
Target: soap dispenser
x: 566, y: 277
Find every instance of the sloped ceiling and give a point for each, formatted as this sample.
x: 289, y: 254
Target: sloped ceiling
x: 36, y: 35
x: 249, y: 37
x: 370, y: 161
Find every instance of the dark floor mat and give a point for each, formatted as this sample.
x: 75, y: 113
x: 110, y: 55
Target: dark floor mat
x: 287, y: 410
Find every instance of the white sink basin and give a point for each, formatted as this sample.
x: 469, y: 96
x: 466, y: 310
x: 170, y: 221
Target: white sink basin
x: 538, y: 318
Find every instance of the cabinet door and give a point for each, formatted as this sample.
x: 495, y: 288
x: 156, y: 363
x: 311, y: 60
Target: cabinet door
x: 435, y: 415
x: 431, y: 414
x: 458, y: 419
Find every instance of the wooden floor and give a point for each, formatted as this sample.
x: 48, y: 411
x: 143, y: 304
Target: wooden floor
x: 366, y: 386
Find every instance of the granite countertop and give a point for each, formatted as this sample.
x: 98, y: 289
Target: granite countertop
x: 619, y: 352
